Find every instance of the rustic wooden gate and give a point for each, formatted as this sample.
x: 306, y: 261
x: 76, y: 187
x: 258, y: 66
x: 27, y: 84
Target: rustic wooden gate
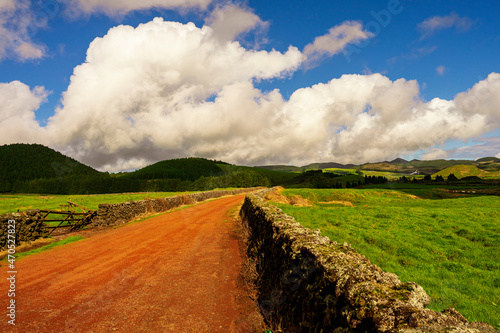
x: 68, y: 219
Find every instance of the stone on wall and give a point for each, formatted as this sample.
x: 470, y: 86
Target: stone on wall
x: 29, y: 226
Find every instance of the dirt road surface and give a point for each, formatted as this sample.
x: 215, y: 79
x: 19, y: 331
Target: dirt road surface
x: 175, y: 272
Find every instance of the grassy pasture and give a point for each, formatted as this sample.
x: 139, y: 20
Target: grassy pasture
x: 388, y: 174
x: 450, y: 246
x: 461, y: 171
x: 10, y: 203
x: 341, y: 171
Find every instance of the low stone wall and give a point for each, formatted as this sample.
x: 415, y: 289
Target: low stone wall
x: 28, y: 226
x: 108, y: 215
x: 311, y: 284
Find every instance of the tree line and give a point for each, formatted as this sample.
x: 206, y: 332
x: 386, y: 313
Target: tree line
x: 98, y: 184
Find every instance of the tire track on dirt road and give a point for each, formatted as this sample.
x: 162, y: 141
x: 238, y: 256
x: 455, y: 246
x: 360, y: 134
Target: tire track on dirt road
x: 175, y: 272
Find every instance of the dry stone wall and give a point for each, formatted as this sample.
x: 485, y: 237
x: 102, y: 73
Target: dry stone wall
x: 28, y: 226
x: 311, y: 284
x: 108, y: 215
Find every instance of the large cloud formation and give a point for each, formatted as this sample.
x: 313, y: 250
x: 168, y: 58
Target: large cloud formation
x: 166, y: 89
x: 147, y: 89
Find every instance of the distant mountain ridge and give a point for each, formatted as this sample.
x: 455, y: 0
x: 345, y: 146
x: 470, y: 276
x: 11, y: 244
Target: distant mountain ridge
x: 399, y: 165
x: 34, y: 168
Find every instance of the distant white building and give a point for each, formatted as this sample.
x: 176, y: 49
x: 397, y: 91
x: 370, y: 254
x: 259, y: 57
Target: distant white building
x: 416, y: 172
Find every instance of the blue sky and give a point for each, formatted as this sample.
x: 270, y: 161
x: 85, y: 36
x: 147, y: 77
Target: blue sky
x: 413, y: 50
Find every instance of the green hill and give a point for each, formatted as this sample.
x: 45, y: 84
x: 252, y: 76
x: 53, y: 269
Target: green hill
x: 489, y: 159
x: 275, y: 177
x: 191, y: 168
x: 282, y: 168
x: 384, y: 166
x: 462, y: 171
x: 34, y: 161
x: 33, y: 168
x: 490, y: 164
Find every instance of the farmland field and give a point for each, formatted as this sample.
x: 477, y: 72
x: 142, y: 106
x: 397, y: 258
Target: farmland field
x: 450, y: 246
x: 388, y: 174
x: 10, y: 203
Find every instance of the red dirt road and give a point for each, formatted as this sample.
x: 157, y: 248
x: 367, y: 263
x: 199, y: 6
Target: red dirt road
x: 175, y: 272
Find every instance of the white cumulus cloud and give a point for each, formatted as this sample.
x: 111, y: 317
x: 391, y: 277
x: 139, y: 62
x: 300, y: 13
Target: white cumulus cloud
x: 148, y: 87
x: 18, y: 22
x: 18, y: 104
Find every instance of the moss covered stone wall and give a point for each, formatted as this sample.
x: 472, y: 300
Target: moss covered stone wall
x: 311, y: 284
x: 28, y: 226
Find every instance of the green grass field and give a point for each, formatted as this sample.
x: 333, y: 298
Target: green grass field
x: 450, y: 246
x: 10, y: 203
x: 341, y: 171
x: 461, y: 171
x: 389, y: 175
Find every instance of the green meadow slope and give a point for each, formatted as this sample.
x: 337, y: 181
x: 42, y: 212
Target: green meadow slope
x: 462, y: 171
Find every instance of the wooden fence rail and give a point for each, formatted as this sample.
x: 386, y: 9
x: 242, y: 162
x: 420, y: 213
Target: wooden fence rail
x: 68, y: 219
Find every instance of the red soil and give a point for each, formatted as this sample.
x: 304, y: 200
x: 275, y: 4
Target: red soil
x: 175, y: 272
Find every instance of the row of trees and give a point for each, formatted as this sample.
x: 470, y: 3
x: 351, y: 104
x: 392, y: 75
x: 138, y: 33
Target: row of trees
x: 106, y: 184
x: 375, y: 180
x: 428, y: 179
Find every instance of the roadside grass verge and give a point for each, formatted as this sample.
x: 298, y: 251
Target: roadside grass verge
x: 450, y: 246
x: 47, y: 247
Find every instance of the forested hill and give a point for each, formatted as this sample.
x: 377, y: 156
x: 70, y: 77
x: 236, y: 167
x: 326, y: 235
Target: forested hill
x: 184, y: 169
x: 33, y: 161
x: 39, y: 169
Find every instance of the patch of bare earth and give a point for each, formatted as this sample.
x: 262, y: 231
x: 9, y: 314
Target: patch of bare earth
x: 296, y: 200
x: 178, y: 272
x: 335, y: 202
